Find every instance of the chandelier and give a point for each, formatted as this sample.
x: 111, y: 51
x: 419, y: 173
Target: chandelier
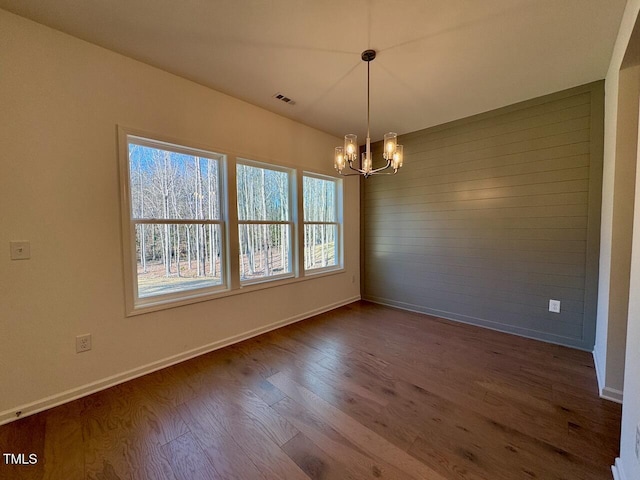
x: 348, y: 154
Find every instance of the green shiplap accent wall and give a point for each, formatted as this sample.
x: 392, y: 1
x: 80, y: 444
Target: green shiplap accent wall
x: 492, y: 216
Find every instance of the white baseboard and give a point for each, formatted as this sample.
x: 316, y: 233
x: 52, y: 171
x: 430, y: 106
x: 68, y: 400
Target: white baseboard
x: 618, y: 472
x: 611, y: 394
x: 608, y: 393
x: 479, y: 322
x: 599, y: 372
x: 82, y: 391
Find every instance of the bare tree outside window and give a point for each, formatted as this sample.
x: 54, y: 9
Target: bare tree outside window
x: 321, y: 225
x: 264, y: 221
x: 175, y: 210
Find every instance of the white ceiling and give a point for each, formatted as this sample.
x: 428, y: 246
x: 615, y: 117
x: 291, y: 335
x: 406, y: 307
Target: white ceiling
x: 438, y: 60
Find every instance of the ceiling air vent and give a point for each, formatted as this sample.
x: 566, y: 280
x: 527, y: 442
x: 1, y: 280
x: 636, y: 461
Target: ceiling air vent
x: 284, y: 99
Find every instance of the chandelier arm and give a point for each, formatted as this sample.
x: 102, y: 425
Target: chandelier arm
x: 395, y: 170
x: 355, y: 169
x: 382, y: 168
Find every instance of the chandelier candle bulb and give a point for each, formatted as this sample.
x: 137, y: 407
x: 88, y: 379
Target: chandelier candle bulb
x: 390, y: 142
x: 351, y: 147
x: 397, y: 157
x: 339, y: 161
x: 366, y: 162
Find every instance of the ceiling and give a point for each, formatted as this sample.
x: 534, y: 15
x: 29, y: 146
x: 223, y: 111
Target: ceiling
x: 438, y: 60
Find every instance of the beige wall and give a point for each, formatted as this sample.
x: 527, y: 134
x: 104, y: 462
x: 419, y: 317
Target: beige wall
x: 621, y: 121
x: 628, y: 464
x: 620, y: 225
x: 60, y: 101
x: 618, y: 334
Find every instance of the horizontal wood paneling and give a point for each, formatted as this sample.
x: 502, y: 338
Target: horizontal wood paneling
x: 491, y: 217
x: 489, y: 151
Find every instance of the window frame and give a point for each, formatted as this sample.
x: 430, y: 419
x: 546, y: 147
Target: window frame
x: 338, y: 223
x: 229, y: 221
x: 134, y: 302
x: 291, y: 223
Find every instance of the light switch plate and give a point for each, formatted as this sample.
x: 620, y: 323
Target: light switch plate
x: 554, y: 306
x: 20, y: 250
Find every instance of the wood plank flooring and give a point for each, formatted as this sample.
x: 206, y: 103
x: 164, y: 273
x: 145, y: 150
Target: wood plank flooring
x: 360, y: 392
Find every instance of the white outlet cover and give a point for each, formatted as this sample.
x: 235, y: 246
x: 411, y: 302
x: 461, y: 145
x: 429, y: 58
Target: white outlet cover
x: 554, y: 306
x: 83, y: 343
x: 20, y: 250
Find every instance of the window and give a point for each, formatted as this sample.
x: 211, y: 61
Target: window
x: 179, y: 227
x: 265, y: 225
x: 175, y: 223
x: 321, y: 222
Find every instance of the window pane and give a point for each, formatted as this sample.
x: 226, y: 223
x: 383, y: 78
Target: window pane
x: 320, y: 246
x: 319, y: 200
x: 175, y: 258
x: 264, y: 250
x: 170, y: 185
x: 263, y: 194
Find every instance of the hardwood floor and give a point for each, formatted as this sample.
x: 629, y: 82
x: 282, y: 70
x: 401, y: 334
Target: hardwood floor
x: 363, y: 391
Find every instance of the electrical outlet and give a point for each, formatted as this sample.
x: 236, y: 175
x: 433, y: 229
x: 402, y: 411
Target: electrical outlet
x: 83, y: 343
x: 554, y: 306
x: 638, y: 441
x: 20, y: 250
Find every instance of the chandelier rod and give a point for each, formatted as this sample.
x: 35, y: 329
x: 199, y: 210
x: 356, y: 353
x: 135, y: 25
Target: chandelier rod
x: 368, y: 98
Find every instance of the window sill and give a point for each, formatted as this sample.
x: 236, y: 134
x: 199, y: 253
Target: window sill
x: 196, y: 297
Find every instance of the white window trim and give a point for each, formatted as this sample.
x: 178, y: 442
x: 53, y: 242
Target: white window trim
x: 338, y: 185
x: 292, y: 223
x: 229, y: 219
x: 135, y: 304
